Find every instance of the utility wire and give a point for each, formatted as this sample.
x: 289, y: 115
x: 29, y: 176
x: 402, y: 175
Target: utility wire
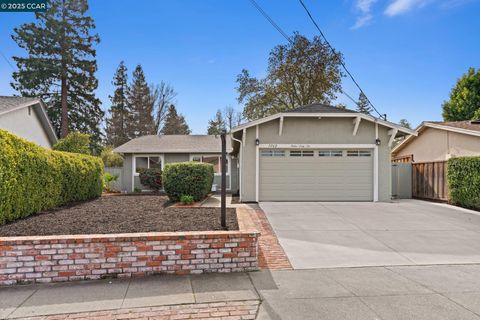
x: 342, y: 63
x: 4, y: 57
x: 280, y: 30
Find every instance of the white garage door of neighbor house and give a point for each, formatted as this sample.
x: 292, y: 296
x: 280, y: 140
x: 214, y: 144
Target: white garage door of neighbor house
x: 316, y: 175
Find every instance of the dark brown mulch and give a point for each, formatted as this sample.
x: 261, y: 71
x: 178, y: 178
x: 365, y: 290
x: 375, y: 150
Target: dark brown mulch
x: 120, y: 214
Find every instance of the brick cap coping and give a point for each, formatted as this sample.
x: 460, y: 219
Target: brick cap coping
x: 245, y: 226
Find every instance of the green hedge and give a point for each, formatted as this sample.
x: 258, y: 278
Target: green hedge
x: 464, y: 181
x: 187, y: 178
x: 33, y: 178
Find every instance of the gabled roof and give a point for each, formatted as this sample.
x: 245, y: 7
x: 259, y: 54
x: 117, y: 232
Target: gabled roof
x: 9, y: 104
x: 468, y: 127
x: 322, y: 110
x: 174, y: 144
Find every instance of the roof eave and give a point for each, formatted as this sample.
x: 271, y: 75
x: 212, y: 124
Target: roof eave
x: 325, y: 115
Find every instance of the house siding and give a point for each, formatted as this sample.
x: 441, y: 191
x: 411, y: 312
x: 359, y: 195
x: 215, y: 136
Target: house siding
x: 25, y: 125
x: 315, y: 131
x: 168, y: 158
x: 438, y: 145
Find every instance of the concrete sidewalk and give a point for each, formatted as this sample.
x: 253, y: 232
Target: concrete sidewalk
x: 400, y: 292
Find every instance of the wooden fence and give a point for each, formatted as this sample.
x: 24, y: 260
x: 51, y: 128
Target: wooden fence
x: 429, y: 180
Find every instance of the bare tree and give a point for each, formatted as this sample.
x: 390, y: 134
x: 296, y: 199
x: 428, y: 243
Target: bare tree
x: 232, y: 118
x: 162, y: 97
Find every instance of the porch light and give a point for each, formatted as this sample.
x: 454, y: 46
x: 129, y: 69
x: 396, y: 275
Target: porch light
x: 257, y: 142
x: 378, y: 142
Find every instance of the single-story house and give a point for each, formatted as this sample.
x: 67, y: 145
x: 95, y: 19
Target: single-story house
x: 439, y: 141
x: 27, y: 118
x: 315, y: 153
x: 154, y: 151
x: 312, y: 153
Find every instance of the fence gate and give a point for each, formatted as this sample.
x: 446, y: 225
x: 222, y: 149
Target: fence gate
x: 401, y: 180
x: 429, y: 180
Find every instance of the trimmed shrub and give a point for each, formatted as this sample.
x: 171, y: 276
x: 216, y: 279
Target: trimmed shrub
x: 151, y: 178
x: 108, y: 178
x: 75, y: 142
x: 186, y: 199
x: 110, y: 158
x: 33, y: 178
x: 187, y: 178
x: 464, y: 181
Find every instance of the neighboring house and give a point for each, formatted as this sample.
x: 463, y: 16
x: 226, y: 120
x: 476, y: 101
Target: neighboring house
x: 439, y: 141
x: 155, y: 151
x: 27, y: 118
x: 312, y: 153
x: 315, y: 153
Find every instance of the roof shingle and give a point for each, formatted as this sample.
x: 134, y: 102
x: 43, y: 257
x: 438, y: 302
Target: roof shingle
x: 320, y: 108
x: 467, y: 125
x: 8, y: 103
x: 173, y: 144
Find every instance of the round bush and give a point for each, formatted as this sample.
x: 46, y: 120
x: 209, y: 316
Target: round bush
x: 151, y: 178
x: 187, y: 178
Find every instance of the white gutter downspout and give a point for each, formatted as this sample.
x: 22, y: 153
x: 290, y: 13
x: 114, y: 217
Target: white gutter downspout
x: 240, y: 178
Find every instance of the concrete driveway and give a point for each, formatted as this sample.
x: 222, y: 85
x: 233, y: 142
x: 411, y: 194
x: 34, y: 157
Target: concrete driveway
x: 408, y: 232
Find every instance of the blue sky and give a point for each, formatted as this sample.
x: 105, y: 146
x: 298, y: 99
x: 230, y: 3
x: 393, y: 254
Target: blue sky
x: 406, y: 54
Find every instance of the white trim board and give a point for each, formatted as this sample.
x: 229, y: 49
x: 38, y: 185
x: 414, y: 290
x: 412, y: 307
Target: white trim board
x: 325, y: 115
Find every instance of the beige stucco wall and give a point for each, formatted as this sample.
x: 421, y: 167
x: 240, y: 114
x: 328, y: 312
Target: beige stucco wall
x: 314, y: 131
x: 437, y: 145
x: 25, y: 125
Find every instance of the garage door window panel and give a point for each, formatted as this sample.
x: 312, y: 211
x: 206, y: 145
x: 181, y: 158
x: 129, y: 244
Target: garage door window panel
x: 301, y: 153
x: 330, y: 153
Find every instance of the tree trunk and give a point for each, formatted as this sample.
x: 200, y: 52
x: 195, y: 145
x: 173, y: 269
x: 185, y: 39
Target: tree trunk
x: 64, y: 124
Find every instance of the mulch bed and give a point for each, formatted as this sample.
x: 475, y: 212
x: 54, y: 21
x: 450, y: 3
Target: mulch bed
x: 120, y: 214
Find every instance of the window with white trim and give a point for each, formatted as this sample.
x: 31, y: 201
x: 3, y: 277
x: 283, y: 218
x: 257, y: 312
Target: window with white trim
x: 301, y: 153
x: 359, y: 153
x: 147, y: 162
x: 330, y: 153
x: 215, y: 160
x: 272, y: 153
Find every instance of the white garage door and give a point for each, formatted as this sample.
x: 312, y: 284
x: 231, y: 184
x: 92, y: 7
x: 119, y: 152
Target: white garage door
x: 316, y: 175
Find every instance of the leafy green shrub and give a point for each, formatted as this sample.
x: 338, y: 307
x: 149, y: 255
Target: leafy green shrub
x: 110, y: 158
x: 74, y: 142
x: 33, y: 178
x: 464, y: 181
x: 108, y: 178
x: 187, y: 178
x: 151, y: 178
x: 186, y: 199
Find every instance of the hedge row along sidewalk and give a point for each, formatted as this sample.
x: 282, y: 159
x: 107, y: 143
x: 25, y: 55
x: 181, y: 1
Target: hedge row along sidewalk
x: 83, y: 257
x: 33, y: 178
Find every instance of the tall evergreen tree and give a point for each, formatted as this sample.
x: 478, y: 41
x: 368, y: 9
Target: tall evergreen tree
x: 174, y: 123
x: 363, y: 105
x: 217, y: 125
x: 60, y: 66
x: 117, y: 122
x: 141, y: 104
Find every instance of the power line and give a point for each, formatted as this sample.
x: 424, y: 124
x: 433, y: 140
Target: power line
x: 341, y: 62
x: 266, y: 16
x: 280, y: 30
x: 7, y: 61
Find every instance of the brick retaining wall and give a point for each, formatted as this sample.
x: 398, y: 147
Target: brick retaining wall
x: 84, y: 257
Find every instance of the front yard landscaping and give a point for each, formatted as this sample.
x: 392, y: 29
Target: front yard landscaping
x: 120, y: 214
